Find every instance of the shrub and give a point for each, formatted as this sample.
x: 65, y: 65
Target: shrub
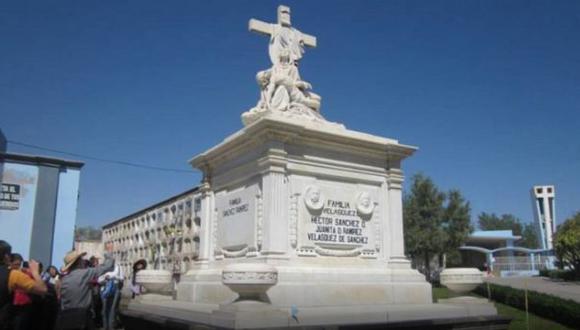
x: 558, y: 274
x: 563, y: 311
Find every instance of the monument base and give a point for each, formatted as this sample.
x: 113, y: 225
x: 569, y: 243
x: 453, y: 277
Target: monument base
x: 477, y: 314
x: 352, y: 283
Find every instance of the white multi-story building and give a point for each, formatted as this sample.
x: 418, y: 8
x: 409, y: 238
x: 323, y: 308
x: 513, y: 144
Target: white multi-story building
x: 166, y: 234
x: 543, y: 201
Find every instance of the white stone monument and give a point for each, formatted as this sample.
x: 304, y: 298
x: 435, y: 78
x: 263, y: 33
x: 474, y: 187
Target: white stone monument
x: 319, y: 202
x: 311, y: 211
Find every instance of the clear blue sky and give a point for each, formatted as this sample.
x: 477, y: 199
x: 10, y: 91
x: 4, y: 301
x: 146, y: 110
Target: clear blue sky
x: 488, y: 90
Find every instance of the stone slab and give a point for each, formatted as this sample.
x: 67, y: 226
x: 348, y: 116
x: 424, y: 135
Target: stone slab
x: 475, y: 312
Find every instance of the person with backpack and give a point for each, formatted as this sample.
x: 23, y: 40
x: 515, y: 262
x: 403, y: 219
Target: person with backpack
x: 75, y: 289
x: 111, y: 284
x: 11, y: 281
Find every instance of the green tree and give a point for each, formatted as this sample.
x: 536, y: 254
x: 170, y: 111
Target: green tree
x: 529, y: 237
x: 457, y: 225
x: 490, y: 221
x: 506, y: 222
x: 567, y: 244
x: 432, y: 226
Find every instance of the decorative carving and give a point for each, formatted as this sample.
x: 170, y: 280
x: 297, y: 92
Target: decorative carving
x: 266, y: 277
x: 252, y: 252
x: 377, y: 226
x: 307, y: 251
x: 235, y: 254
x: 368, y: 254
x: 282, y: 89
x: 364, y: 203
x: 260, y: 219
x: 250, y: 281
x: 313, y: 198
x: 337, y: 253
x: 293, y: 220
x: 214, y: 232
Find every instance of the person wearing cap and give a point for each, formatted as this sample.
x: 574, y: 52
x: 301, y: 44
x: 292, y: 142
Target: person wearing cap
x: 75, y: 289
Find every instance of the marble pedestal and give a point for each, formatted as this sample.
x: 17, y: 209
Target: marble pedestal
x: 319, y: 202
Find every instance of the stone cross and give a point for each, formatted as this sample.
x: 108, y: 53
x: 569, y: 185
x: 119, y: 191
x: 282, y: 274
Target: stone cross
x: 291, y: 39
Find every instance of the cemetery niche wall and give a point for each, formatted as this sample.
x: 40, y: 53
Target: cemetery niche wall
x: 165, y: 234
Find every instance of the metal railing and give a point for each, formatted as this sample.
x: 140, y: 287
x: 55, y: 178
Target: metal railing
x: 527, y: 263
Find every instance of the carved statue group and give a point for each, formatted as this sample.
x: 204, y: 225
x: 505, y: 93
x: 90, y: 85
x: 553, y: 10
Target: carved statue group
x: 281, y: 88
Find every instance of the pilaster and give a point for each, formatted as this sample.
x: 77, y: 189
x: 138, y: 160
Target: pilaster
x: 397, y: 243
x: 207, y: 222
x: 275, y: 196
x: 386, y: 231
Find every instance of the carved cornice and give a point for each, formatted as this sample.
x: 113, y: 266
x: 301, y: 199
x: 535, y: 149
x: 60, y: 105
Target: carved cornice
x: 395, y: 179
x: 284, y: 132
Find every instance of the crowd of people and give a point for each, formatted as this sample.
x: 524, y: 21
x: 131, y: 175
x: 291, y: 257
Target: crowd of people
x: 83, y: 294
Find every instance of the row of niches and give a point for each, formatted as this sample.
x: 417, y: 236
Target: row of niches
x: 141, y: 238
x: 174, y: 264
x: 167, y: 237
x: 179, y: 253
x: 174, y: 214
x: 158, y: 250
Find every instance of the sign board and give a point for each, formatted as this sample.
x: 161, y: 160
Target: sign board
x: 10, y: 196
x: 236, y: 213
x: 337, y: 218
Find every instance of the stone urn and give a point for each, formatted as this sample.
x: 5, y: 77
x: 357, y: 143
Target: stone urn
x: 461, y: 280
x: 250, y: 280
x: 156, y: 281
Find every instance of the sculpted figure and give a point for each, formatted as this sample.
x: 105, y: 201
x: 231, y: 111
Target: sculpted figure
x: 364, y: 203
x: 313, y: 198
x: 284, y: 37
x: 281, y: 87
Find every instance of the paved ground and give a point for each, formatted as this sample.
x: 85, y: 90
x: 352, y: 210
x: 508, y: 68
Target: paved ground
x: 566, y: 290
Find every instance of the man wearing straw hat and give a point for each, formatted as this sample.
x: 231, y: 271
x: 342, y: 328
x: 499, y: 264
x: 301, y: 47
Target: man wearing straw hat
x: 75, y: 289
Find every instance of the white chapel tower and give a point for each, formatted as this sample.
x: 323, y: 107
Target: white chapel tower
x: 543, y: 201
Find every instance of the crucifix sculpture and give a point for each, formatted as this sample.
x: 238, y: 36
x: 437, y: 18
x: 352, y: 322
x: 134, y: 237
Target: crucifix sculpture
x: 282, y: 89
x: 283, y: 36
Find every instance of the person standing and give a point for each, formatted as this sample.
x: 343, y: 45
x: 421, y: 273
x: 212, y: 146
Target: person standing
x: 75, y: 289
x: 23, y: 305
x: 111, y: 284
x: 12, y: 280
x: 135, y: 287
x: 49, y: 310
x: 97, y: 304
